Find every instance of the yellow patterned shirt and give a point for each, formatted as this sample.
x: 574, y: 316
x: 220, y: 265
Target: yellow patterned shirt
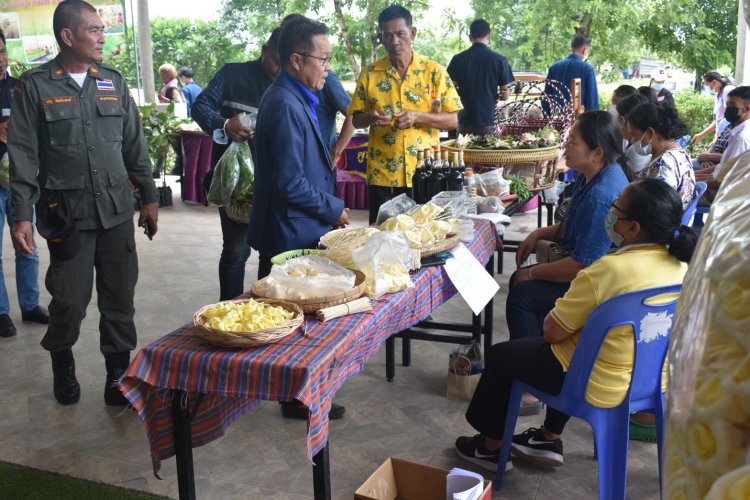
x: 391, y: 152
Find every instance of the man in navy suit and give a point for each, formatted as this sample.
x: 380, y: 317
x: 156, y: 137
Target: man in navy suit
x: 294, y: 202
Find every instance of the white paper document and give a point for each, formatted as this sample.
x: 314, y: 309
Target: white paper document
x: 471, y: 279
x: 463, y: 485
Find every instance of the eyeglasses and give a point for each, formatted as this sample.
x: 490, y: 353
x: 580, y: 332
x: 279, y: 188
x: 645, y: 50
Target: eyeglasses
x: 614, y: 205
x: 403, y: 35
x: 323, y: 60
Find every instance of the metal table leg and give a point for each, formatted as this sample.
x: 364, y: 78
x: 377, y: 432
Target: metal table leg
x: 322, y: 475
x: 390, y: 358
x: 183, y: 444
x: 406, y: 349
x: 489, y: 315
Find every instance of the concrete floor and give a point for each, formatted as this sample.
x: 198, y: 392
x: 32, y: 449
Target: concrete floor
x: 262, y: 455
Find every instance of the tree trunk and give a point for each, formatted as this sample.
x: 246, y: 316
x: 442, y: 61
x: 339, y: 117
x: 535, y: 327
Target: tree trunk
x: 584, y: 28
x: 345, y: 36
x: 373, y: 30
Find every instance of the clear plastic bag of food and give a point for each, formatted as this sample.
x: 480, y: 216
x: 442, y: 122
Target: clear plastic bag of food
x: 308, y: 277
x: 492, y: 183
x: 235, y: 165
x: 391, y: 208
x: 707, y: 435
x: 385, y: 259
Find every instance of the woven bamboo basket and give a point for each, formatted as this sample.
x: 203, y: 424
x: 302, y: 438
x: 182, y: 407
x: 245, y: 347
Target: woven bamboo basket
x: 248, y: 339
x: 441, y: 246
x: 505, y: 156
x: 314, y: 304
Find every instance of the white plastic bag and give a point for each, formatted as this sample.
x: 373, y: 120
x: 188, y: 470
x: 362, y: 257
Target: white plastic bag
x: 385, y: 259
x: 307, y: 277
x: 708, y: 404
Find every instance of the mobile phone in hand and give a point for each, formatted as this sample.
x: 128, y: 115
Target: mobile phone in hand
x: 147, y: 230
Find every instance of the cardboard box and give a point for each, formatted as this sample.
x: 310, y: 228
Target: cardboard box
x: 404, y: 480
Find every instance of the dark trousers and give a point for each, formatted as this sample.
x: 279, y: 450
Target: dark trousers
x: 234, y: 254
x: 377, y: 195
x: 264, y: 265
x: 527, y: 305
x: 529, y: 360
x: 112, y: 253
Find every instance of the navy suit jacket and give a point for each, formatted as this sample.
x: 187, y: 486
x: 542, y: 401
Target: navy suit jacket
x: 294, y: 201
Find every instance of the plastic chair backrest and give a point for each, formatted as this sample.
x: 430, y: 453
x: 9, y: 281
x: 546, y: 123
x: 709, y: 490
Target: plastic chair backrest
x: 651, y: 323
x: 683, y: 141
x: 700, y: 188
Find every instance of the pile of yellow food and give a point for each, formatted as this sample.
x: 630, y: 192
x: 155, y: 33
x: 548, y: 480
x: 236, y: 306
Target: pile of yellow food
x: 246, y: 316
x: 707, y: 434
x: 421, y: 226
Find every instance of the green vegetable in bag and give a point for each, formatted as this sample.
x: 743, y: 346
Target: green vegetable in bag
x: 227, y: 173
x: 243, y: 192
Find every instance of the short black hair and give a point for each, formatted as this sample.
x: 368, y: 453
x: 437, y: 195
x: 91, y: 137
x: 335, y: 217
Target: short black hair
x: 580, y: 41
x: 624, y: 90
x: 394, y: 12
x: 2, y: 36
x: 743, y: 92
x: 599, y: 129
x: 479, y: 28
x: 664, y: 120
x: 186, y: 72
x: 68, y: 15
x: 657, y: 207
x: 297, y: 36
x: 629, y: 103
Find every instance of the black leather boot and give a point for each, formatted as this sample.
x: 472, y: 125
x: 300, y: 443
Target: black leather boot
x: 66, y: 388
x: 116, y: 365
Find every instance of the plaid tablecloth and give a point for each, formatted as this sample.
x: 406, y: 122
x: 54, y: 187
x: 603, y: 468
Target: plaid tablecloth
x: 310, y: 365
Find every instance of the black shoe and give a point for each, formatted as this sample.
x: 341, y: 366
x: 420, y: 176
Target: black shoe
x: 295, y: 409
x: 471, y: 449
x: 116, y: 365
x: 65, y: 386
x: 7, y: 328
x: 38, y: 315
x: 531, y: 445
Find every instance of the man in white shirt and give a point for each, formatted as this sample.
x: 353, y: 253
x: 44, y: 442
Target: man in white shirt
x: 737, y: 113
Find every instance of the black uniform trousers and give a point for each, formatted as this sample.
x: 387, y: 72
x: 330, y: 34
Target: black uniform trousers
x: 111, y: 252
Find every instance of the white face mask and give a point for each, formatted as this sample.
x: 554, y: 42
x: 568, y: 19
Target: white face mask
x: 638, y: 156
x: 657, y: 86
x: 613, y: 110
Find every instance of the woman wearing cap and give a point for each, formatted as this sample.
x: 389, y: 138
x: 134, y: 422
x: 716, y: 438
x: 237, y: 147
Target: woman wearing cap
x: 721, y: 86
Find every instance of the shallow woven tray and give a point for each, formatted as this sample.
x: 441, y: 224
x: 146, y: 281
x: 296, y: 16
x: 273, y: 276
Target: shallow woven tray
x: 505, y: 156
x: 441, y: 246
x: 248, y: 339
x: 311, y: 305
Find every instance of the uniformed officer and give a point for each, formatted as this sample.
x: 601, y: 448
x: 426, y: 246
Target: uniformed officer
x: 76, y: 137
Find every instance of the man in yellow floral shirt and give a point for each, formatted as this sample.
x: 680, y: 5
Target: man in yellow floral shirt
x: 406, y: 100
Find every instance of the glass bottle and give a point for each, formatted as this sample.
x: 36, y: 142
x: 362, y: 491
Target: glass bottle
x: 455, y: 179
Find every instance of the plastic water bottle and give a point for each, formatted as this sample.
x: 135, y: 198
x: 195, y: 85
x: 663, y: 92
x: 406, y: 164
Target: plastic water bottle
x: 470, y: 186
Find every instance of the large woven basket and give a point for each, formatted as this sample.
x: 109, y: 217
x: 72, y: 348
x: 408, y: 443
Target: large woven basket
x: 505, y: 156
x: 248, y: 339
x: 314, y: 304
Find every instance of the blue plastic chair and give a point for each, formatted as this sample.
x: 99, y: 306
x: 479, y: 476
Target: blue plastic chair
x: 610, y: 425
x: 698, y: 220
x: 700, y: 188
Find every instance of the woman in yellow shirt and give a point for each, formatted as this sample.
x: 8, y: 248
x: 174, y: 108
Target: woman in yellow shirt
x: 642, y: 222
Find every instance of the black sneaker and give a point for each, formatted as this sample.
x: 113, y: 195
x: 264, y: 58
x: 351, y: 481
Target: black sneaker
x: 7, y: 328
x: 531, y: 445
x: 471, y: 449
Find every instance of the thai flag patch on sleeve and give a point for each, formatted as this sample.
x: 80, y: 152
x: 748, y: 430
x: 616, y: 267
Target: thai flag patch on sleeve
x: 105, y: 85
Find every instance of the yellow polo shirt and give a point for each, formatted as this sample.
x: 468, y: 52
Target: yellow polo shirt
x: 632, y: 268
x: 391, y: 152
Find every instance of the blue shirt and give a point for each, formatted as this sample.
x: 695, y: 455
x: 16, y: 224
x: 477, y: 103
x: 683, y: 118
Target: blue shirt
x: 584, y: 236
x: 565, y: 71
x: 191, y: 91
x: 478, y: 72
x: 333, y: 99
x: 312, y: 99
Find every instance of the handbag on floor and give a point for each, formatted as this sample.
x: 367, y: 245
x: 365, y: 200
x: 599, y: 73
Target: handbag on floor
x: 464, y: 371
